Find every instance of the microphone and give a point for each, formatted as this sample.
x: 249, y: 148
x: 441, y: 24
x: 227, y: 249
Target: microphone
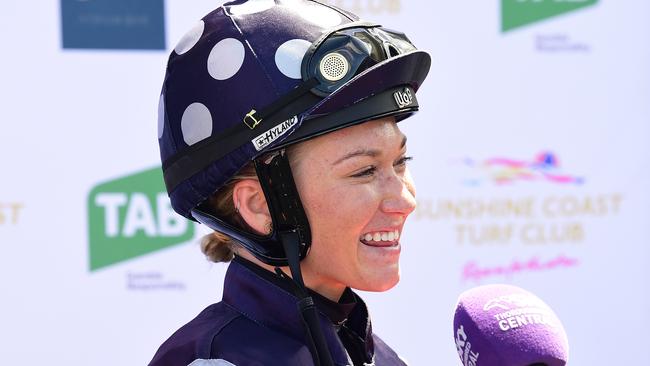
x: 503, y: 325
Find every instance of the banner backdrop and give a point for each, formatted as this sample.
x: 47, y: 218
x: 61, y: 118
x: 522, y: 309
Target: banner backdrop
x: 532, y: 165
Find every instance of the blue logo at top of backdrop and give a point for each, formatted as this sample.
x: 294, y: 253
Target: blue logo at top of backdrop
x: 113, y: 24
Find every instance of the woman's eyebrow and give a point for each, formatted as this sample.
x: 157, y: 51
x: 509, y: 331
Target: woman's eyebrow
x: 364, y: 152
x: 361, y: 152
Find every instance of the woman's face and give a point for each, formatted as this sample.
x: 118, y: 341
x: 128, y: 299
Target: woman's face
x: 357, y: 192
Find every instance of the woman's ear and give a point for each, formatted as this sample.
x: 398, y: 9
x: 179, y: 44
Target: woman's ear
x: 249, y: 200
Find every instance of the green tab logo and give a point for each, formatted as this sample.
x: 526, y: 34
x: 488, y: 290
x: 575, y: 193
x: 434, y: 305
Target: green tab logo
x: 517, y: 13
x: 132, y: 216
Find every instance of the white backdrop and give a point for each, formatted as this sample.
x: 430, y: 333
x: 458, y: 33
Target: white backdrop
x: 575, y: 87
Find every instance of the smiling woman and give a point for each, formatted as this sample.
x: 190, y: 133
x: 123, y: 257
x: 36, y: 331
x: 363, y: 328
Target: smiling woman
x: 304, y: 180
x: 356, y: 192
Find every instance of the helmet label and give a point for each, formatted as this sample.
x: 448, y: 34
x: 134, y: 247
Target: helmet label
x: 403, y: 98
x: 266, y: 138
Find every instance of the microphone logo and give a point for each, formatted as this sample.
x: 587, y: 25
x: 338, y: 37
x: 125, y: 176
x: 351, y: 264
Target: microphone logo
x: 520, y: 310
x: 464, y: 348
x: 508, y: 302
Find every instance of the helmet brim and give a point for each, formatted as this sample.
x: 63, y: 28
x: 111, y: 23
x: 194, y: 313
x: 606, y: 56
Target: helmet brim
x: 363, y: 97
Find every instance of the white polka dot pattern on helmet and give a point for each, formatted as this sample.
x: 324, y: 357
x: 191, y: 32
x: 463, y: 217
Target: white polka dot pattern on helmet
x: 161, y: 115
x: 288, y: 57
x: 196, y: 123
x: 226, y: 58
x: 190, y: 38
x: 212, y: 362
x: 251, y: 7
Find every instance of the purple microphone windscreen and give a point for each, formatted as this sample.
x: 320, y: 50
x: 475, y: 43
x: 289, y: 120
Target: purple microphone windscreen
x: 503, y: 325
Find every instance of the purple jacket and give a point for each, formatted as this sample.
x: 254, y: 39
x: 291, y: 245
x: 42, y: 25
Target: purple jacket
x: 257, y: 323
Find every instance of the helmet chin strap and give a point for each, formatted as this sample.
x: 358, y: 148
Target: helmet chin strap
x: 292, y: 226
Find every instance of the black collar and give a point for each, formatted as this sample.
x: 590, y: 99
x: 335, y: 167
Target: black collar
x: 269, y: 300
x: 337, y: 312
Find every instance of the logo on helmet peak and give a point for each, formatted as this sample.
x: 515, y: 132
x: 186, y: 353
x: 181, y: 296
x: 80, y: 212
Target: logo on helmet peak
x: 266, y: 138
x: 403, y: 98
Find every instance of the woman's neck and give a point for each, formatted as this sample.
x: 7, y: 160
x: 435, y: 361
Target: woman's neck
x: 313, y: 281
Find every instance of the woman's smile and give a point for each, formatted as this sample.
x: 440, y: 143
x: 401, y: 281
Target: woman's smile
x: 380, y: 238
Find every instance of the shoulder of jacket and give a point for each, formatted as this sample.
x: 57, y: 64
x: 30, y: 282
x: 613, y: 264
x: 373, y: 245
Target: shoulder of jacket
x: 244, y: 341
x: 193, y: 340
x: 385, y: 355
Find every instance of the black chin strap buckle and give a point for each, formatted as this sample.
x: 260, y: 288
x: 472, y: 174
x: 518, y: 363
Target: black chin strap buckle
x: 283, y: 200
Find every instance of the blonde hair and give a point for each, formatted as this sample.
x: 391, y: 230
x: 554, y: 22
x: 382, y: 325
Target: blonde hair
x: 216, y: 246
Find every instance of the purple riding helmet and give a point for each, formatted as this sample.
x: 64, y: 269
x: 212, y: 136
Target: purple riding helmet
x: 253, y: 77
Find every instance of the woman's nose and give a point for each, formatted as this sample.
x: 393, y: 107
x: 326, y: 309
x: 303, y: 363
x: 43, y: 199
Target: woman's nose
x: 400, y: 195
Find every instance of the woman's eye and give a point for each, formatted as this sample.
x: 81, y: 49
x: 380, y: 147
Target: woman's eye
x: 365, y: 173
x: 371, y: 170
x: 403, y: 160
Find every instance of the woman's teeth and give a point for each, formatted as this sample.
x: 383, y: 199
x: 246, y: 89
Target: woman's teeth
x: 381, y: 236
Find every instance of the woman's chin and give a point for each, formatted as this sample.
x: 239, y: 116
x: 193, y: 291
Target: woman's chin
x: 380, y: 282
